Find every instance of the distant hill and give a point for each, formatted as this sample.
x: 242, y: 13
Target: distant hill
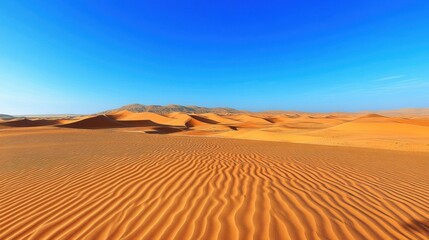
x: 173, y: 108
x: 48, y: 116
x: 5, y: 116
x: 405, y: 112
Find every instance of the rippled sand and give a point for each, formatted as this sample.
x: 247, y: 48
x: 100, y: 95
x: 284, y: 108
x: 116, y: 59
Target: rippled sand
x: 63, y: 183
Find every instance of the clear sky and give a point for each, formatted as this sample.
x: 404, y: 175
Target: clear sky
x: 86, y: 56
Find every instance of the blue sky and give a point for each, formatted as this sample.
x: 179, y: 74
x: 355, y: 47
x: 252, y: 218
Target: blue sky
x: 88, y: 56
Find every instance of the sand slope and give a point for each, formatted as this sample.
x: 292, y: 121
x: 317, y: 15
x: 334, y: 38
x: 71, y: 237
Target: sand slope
x: 249, y: 119
x: 59, y: 183
x: 219, y: 119
x: 130, y: 116
x: 189, y: 121
x: 356, y: 130
x: 29, y: 123
x: 100, y: 121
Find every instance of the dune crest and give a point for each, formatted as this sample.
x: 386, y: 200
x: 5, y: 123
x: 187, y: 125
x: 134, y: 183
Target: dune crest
x: 219, y: 119
x: 29, y: 123
x: 130, y: 116
x: 99, y: 121
x: 249, y: 119
x: 357, y: 130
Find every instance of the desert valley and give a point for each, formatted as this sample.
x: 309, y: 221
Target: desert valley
x: 215, y: 174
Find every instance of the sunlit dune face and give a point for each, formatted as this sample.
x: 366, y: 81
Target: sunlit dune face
x: 357, y: 130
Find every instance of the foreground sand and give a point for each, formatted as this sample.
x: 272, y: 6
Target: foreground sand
x: 60, y: 183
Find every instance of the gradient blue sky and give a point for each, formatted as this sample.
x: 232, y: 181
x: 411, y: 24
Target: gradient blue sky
x: 87, y: 56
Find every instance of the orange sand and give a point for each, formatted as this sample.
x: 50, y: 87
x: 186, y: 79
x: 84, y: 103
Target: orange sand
x: 355, y: 130
x: 147, y: 176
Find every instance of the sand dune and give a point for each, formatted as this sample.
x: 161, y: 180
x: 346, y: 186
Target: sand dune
x: 203, y: 119
x: 29, y: 123
x: 189, y: 121
x: 99, y: 121
x: 249, y: 119
x: 175, y: 114
x: 118, y: 115
x: 384, y: 128
x: 277, y: 119
x: 192, y: 122
x: 219, y: 119
x: 384, y: 119
x: 357, y: 130
x: 420, y: 122
x: 163, y: 130
x: 60, y: 183
x: 387, y: 134
x: 306, y: 122
x: 130, y: 116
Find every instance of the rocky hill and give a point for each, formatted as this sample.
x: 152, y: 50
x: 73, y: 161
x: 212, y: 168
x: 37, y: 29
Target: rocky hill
x: 5, y: 116
x: 173, y: 108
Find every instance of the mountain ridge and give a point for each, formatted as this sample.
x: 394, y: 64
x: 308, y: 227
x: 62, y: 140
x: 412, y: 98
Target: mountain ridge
x: 6, y: 116
x: 173, y: 108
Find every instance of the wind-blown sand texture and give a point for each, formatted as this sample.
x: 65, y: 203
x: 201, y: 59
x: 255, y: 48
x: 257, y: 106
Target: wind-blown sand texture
x: 114, y: 177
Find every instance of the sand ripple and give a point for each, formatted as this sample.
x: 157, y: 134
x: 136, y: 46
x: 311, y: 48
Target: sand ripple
x: 108, y: 184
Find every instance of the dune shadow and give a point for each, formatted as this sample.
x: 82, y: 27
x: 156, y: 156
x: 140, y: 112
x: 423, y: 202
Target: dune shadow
x: 103, y: 122
x: 271, y: 120
x: 140, y: 123
x: 163, y: 130
x: 92, y: 127
x: 203, y: 119
x: 421, y: 226
x: 29, y: 123
x: 116, y: 124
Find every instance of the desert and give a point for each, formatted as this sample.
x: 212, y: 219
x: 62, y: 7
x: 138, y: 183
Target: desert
x: 146, y: 175
x: 214, y: 120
